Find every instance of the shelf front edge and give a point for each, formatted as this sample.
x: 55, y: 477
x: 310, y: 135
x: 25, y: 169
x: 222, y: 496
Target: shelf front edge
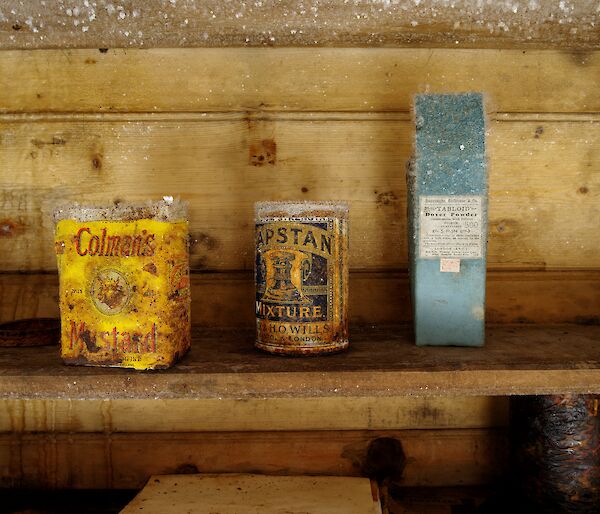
x: 301, y: 384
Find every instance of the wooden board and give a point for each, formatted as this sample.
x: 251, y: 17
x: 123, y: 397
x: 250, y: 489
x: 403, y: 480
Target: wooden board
x: 444, y: 457
x: 292, y: 79
x: 253, y: 414
x: 359, y: 160
x: 382, y: 362
x: 40, y: 24
x: 232, y: 493
x: 224, y: 299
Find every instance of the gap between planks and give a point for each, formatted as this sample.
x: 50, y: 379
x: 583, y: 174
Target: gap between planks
x: 261, y: 115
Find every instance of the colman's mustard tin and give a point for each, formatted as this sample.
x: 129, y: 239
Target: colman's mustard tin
x: 124, y: 284
x: 301, y: 274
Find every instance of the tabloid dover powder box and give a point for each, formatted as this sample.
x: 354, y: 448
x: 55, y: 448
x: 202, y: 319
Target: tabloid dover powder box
x: 447, y: 220
x: 124, y: 284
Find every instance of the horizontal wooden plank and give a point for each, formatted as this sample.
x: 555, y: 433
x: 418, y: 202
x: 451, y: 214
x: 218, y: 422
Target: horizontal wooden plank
x: 254, y: 414
x: 436, y: 457
x: 382, y: 362
x: 471, y: 23
x: 293, y: 79
x: 542, y: 219
x: 225, y: 299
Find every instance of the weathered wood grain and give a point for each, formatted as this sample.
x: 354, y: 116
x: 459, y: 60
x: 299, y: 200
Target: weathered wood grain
x: 544, y: 186
x: 254, y: 414
x: 137, y: 23
x: 435, y: 457
x: 292, y: 79
x: 382, y: 362
x: 225, y: 299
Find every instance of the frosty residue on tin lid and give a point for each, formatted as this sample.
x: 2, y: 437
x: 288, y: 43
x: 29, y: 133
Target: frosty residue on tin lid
x: 285, y: 208
x: 167, y: 209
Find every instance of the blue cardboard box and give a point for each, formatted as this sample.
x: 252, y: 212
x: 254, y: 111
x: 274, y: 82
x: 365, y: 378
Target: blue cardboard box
x: 447, y: 220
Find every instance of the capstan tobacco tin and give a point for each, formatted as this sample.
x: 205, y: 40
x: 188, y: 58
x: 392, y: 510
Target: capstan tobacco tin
x: 301, y: 274
x: 124, y: 285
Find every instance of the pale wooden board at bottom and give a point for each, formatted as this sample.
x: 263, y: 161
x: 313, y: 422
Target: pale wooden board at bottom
x: 126, y: 461
x: 256, y: 494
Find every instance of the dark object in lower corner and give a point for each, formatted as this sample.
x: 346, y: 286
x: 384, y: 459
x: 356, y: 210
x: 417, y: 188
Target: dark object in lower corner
x: 555, y: 452
x: 30, y: 332
x: 385, y: 459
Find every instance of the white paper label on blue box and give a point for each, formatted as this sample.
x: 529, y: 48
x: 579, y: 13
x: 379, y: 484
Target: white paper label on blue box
x: 451, y: 227
x: 449, y: 265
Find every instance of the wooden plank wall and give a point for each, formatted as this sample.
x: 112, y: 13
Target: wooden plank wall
x: 120, y: 443
x: 108, y: 443
x: 376, y: 298
x: 211, y: 164
x: 255, y: 414
x: 126, y: 461
x: 86, y: 125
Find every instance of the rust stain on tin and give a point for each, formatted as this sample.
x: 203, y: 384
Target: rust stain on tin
x: 124, y: 292
x: 301, y: 277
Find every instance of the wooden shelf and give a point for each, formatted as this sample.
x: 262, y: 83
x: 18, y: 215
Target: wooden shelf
x: 382, y: 361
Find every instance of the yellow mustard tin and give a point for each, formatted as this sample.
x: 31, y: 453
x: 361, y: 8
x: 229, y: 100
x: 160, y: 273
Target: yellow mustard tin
x: 124, y: 284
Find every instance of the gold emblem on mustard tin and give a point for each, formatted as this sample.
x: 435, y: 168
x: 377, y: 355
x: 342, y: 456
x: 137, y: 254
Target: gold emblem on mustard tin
x: 110, y: 291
